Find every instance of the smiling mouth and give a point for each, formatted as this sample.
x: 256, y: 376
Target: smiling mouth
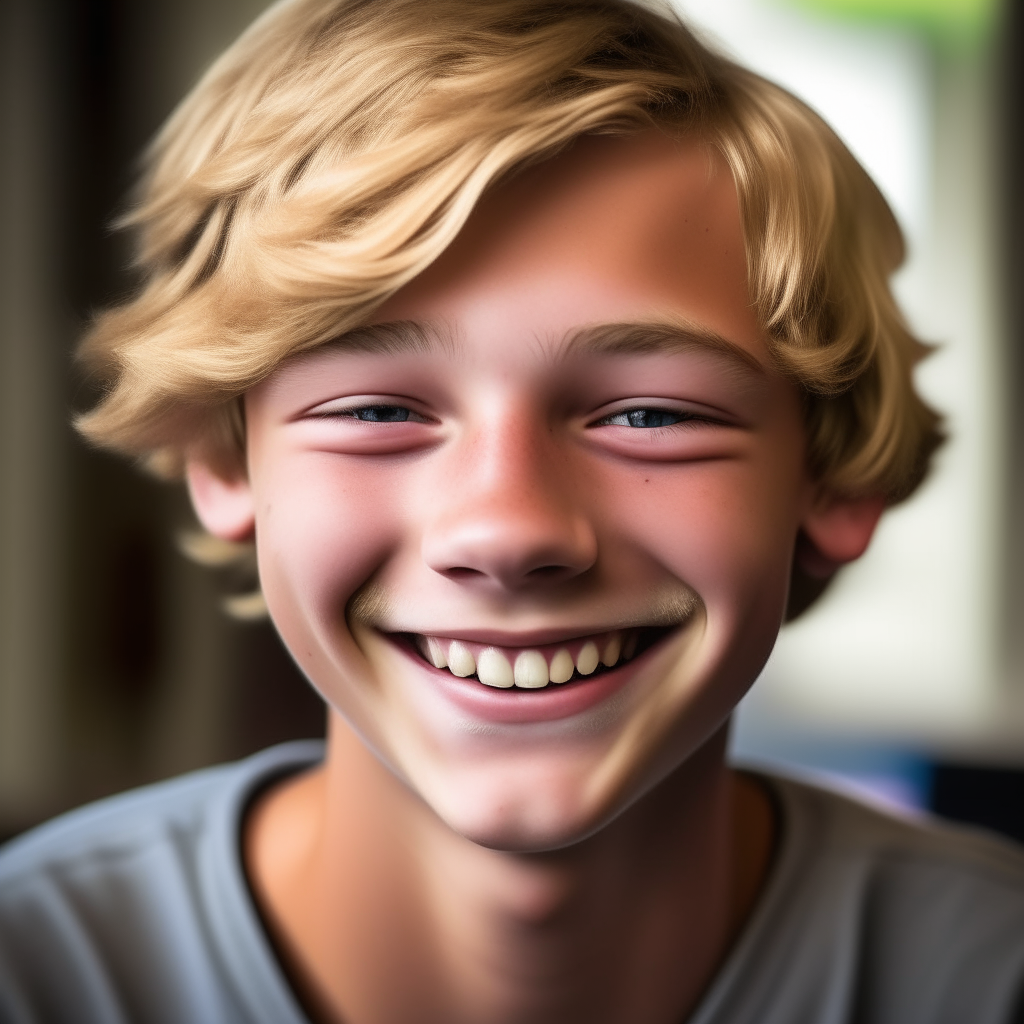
x: 536, y: 668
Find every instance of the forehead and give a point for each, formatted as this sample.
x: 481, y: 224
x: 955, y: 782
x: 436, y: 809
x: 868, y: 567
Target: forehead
x: 615, y: 229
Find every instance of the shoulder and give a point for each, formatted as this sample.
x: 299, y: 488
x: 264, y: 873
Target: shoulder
x: 898, y: 856
x: 907, y: 920
x: 848, y: 824
x: 124, y: 826
x: 124, y: 900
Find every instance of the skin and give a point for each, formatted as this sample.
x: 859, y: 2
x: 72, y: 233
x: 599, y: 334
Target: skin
x: 468, y: 854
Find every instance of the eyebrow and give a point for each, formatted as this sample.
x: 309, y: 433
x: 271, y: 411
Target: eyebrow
x: 651, y: 337
x: 396, y: 337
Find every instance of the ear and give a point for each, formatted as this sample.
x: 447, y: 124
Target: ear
x: 224, y: 504
x: 836, y: 531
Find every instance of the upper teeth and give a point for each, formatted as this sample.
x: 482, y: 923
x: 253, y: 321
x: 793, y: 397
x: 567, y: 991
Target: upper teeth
x: 493, y: 669
x: 460, y: 659
x: 588, y: 658
x: 612, y: 649
x: 561, y: 668
x: 531, y: 669
x: 436, y: 654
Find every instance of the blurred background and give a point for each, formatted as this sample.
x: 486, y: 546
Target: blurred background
x: 117, y: 666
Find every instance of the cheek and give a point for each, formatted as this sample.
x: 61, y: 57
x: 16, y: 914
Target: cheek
x: 323, y: 527
x: 727, y: 529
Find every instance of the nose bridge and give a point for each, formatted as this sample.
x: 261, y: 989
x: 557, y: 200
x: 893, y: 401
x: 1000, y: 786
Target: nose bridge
x: 510, y: 511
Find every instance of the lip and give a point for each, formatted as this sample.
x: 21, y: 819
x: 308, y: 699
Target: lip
x: 534, y: 638
x: 516, y: 706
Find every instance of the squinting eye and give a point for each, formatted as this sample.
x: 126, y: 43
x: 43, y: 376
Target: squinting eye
x: 380, y: 413
x: 647, y: 418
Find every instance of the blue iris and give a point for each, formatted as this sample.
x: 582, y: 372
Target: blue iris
x: 381, y: 414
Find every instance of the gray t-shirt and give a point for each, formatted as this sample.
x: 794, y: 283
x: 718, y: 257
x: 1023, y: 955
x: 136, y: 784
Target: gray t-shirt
x: 137, y: 909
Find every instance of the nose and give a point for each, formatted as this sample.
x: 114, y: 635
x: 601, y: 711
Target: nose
x: 510, y: 515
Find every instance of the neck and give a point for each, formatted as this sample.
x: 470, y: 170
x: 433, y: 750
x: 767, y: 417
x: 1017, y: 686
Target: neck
x: 382, y: 914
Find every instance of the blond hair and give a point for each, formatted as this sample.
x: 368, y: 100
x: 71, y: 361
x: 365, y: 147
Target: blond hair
x: 337, y: 148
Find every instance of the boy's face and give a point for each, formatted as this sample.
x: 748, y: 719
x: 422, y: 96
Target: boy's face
x: 509, y: 479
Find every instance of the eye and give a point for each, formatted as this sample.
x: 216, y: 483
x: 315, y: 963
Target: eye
x: 647, y: 418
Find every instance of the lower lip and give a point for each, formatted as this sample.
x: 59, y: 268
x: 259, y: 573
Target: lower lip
x: 514, y: 705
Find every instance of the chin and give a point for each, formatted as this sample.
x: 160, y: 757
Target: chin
x: 521, y: 818
x: 515, y: 835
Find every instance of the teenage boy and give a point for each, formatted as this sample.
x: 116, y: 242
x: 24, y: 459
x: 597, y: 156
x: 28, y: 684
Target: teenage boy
x: 545, y: 356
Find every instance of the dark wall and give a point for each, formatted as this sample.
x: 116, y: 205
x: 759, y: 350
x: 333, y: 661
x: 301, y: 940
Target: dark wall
x: 148, y: 676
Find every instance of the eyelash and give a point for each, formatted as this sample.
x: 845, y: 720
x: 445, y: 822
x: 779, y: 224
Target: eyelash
x: 375, y: 409
x: 629, y: 416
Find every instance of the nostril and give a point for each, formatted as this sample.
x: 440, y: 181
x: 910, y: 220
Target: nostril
x: 461, y: 572
x: 547, y: 571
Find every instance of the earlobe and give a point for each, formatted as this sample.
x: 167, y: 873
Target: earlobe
x: 223, y: 505
x: 837, y: 531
